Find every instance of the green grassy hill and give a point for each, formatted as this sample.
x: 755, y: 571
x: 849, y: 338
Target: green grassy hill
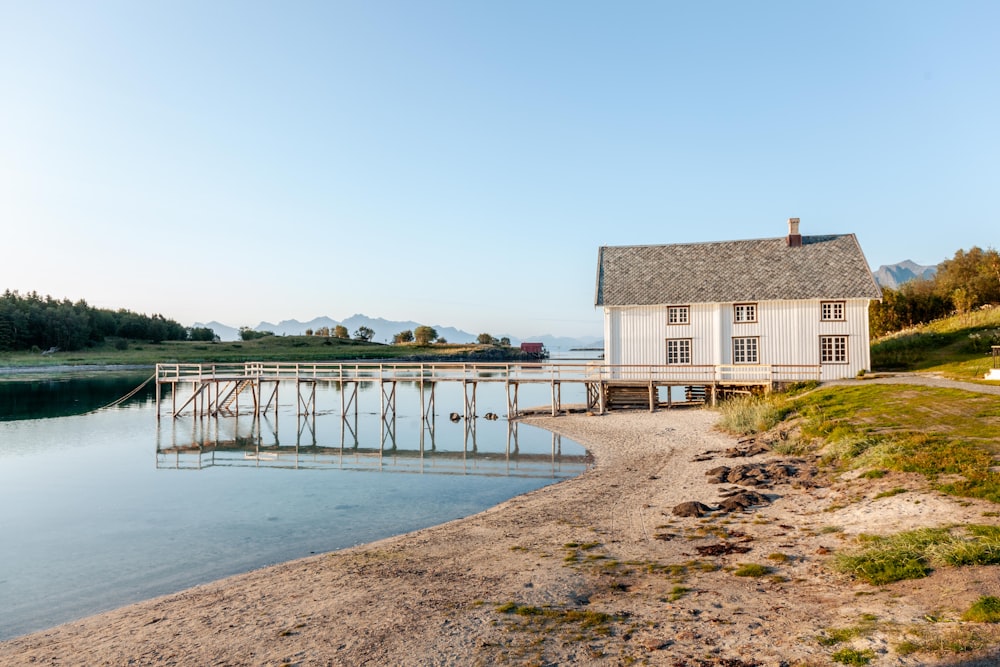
x: 269, y: 348
x: 958, y: 346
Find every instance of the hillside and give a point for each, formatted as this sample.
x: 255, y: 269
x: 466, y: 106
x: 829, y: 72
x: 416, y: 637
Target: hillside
x: 269, y: 348
x: 957, y: 346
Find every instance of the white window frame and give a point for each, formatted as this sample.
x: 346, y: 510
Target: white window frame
x: 746, y: 350
x: 744, y: 312
x: 681, y: 352
x: 832, y: 311
x: 678, y: 315
x: 833, y: 350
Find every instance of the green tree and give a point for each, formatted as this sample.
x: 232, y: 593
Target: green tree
x: 202, y: 334
x: 323, y: 331
x: 425, y: 335
x: 913, y: 303
x: 505, y: 341
x: 976, y: 272
x: 246, y: 333
x: 403, y: 337
x: 33, y: 321
x: 364, y: 333
x: 963, y: 300
x: 486, y: 339
x: 340, y: 331
x: 309, y: 332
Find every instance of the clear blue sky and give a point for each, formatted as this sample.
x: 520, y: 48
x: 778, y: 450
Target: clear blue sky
x: 459, y: 163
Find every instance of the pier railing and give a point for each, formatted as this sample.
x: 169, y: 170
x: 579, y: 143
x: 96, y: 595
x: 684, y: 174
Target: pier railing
x: 216, y: 388
x: 546, y: 372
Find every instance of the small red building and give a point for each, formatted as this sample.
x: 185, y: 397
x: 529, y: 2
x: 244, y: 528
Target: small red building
x: 533, y: 348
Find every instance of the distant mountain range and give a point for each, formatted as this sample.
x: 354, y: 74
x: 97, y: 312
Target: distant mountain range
x: 894, y: 275
x: 385, y: 330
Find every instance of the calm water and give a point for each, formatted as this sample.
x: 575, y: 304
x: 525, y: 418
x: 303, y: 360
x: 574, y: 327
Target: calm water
x: 105, y: 509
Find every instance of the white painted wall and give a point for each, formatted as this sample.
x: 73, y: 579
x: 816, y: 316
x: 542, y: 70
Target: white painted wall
x: 788, y: 333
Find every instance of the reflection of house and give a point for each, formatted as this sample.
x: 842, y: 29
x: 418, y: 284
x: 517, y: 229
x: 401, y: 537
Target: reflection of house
x: 795, y: 300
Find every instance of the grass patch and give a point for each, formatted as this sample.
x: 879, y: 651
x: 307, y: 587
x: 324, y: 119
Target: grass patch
x: 947, y: 435
x: 984, y: 610
x: 752, y: 414
x: 752, y: 570
x: 553, y: 622
x: 949, y: 641
x: 850, y: 656
x: 890, y: 493
x: 834, y: 636
x: 888, y: 559
x: 677, y: 592
x: 914, y: 554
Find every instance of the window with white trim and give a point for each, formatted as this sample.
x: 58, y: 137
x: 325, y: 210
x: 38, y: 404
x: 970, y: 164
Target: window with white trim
x: 833, y: 349
x: 678, y: 315
x: 678, y: 351
x: 832, y: 311
x: 745, y: 312
x: 745, y: 350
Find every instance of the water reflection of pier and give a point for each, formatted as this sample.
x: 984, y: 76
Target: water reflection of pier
x: 214, y: 390
x: 253, y: 387
x: 197, y: 444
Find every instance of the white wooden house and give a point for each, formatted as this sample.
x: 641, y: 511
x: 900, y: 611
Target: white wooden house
x: 788, y: 307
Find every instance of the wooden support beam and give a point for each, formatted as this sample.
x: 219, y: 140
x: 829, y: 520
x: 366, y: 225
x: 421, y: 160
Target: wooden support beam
x: 196, y: 391
x: 470, y: 401
x: 307, y: 403
x: 512, y: 400
x: 388, y: 402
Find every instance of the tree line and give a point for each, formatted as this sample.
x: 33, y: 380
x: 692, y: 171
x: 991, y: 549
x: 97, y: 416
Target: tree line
x: 968, y: 280
x: 362, y: 333
x: 32, y: 321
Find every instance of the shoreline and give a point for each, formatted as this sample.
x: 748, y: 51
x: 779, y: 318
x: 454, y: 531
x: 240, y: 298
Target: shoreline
x: 593, y: 567
x: 60, y: 369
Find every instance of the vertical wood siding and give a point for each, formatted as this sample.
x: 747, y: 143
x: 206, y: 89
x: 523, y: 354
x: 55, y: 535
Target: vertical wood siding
x: 788, y: 332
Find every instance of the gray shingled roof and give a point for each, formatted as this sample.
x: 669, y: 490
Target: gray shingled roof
x: 824, y: 267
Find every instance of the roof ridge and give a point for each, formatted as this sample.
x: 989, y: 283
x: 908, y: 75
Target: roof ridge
x: 700, y: 243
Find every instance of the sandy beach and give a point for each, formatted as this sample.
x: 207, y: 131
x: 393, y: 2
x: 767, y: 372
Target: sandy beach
x: 594, y: 570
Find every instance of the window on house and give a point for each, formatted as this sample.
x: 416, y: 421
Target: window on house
x: 833, y: 349
x: 745, y: 312
x: 678, y: 315
x: 745, y: 351
x: 832, y: 311
x: 678, y: 350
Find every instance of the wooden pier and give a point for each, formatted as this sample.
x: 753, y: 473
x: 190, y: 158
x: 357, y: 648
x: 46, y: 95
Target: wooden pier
x: 219, y: 390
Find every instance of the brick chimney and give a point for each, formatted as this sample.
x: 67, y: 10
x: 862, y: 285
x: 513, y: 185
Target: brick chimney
x: 794, y: 238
